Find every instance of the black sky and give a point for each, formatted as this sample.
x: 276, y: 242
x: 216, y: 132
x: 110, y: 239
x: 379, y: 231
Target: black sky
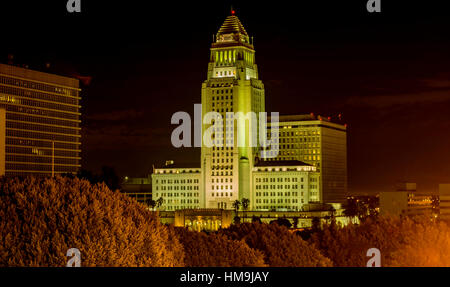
x: 387, y: 73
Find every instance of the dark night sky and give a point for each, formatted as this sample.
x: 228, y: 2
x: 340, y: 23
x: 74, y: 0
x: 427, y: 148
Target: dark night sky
x: 388, y: 74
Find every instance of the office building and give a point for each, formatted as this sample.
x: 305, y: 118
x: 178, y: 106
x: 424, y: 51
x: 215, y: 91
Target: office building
x: 317, y: 141
x: 179, y: 187
x: 284, y: 185
x: 40, y: 123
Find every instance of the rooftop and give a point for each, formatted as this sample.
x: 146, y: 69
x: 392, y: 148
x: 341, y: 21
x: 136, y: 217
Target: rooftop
x: 337, y: 120
x: 232, y: 33
x: 281, y: 163
x: 171, y: 164
x: 38, y: 76
x: 232, y: 25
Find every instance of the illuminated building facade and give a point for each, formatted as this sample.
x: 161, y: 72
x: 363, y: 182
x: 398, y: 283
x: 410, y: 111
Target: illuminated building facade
x: 179, y: 187
x: 41, y: 122
x: 232, y: 85
x: 310, y: 149
x: 284, y: 185
x: 321, y: 143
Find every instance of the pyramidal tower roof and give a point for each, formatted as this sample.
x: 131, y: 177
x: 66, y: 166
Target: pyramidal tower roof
x: 232, y: 25
x: 232, y: 32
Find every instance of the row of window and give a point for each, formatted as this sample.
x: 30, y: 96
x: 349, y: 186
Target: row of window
x: 176, y: 194
x: 225, y: 73
x: 222, y: 187
x: 178, y: 201
x: 272, y: 207
x: 221, y: 194
x: 41, y: 96
x: 43, y: 113
x: 222, y: 180
x: 172, y: 208
x: 285, y: 156
x: 222, y: 148
x: 280, y: 200
x: 225, y: 57
x: 223, y: 85
x: 39, y: 86
x: 176, y: 171
x: 221, y: 91
x: 42, y: 136
x: 222, y: 154
x: 42, y: 144
x: 41, y: 128
x: 278, y: 186
x: 30, y: 98
x: 34, y: 151
x: 22, y: 167
x: 299, y: 133
x: 41, y: 160
x: 41, y: 120
x: 273, y: 193
x: 170, y: 181
x: 223, y: 160
x: 223, y: 110
x: 278, y: 179
x: 183, y: 187
x: 221, y: 173
x: 220, y: 167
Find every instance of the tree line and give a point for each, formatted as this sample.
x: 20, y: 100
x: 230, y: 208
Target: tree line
x: 41, y: 218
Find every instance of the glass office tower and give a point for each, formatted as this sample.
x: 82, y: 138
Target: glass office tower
x: 42, y: 133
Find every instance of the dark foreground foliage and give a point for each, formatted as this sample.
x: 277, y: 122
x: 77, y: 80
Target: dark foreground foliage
x: 42, y: 218
x: 204, y: 250
x: 402, y: 242
x: 279, y: 246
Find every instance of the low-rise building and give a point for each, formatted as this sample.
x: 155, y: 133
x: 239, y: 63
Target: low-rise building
x: 406, y: 201
x: 177, y: 186
x: 284, y: 185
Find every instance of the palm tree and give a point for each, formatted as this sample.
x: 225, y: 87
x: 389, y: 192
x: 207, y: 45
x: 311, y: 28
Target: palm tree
x: 236, y: 205
x: 159, y: 202
x: 245, y: 205
x: 295, y: 221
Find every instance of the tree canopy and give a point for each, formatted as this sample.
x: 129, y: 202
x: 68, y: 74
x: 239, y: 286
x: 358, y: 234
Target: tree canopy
x: 41, y: 218
x: 401, y: 241
x: 280, y: 247
x: 217, y: 250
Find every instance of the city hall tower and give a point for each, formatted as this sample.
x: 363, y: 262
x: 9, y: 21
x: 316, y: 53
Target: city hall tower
x: 231, y: 86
